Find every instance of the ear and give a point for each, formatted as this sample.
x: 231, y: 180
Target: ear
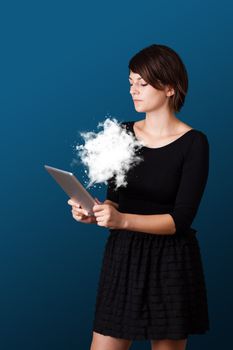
x: 169, y: 91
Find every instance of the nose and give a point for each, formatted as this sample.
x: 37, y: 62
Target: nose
x: 133, y: 91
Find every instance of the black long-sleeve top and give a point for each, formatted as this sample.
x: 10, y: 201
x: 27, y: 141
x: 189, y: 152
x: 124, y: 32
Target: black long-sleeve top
x: 170, y: 180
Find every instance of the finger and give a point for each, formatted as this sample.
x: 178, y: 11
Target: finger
x: 99, y: 219
x: 98, y: 207
x: 74, y: 205
x: 100, y: 223
x: 71, y: 202
x: 80, y: 211
x: 77, y: 217
x: 82, y: 218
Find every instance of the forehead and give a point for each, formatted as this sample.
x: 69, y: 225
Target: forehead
x: 135, y: 76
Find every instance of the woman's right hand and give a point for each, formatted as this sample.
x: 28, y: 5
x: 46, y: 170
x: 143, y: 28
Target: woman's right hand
x: 80, y: 214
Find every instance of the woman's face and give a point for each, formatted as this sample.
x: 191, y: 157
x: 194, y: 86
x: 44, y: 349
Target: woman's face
x: 145, y: 97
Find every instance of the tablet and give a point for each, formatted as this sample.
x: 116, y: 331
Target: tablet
x: 75, y: 190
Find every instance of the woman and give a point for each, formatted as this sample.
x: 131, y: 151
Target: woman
x: 152, y: 284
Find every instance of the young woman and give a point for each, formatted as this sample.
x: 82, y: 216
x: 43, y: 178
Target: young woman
x: 152, y: 284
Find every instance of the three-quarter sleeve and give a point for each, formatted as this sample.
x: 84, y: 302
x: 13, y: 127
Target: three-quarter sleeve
x: 112, y: 193
x: 194, y: 176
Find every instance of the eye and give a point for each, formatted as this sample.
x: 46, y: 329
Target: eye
x: 141, y: 84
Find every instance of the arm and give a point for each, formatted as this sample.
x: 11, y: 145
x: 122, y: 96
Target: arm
x: 162, y: 224
x: 192, y: 184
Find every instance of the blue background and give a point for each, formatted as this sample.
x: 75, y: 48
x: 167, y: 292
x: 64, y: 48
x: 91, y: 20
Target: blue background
x: 64, y: 68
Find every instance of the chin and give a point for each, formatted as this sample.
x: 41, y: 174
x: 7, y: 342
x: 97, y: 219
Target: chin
x: 139, y: 109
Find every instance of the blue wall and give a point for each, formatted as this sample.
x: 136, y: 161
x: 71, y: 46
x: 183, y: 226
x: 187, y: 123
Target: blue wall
x: 64, y: 67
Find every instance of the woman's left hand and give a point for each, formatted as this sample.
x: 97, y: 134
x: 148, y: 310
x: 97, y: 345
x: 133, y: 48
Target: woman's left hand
x: 108, y: 216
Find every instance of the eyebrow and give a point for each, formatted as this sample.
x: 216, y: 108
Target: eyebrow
x: 137, y: 78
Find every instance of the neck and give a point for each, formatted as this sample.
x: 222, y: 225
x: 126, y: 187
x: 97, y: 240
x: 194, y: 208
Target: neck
x: 160, y: 122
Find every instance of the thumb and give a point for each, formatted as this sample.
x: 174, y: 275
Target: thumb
x: 97, y: 201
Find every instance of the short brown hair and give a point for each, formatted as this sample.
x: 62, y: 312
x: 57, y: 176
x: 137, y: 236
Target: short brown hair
x: 159, y: 65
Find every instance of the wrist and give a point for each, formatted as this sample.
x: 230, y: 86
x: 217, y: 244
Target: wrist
x: 124, y: 221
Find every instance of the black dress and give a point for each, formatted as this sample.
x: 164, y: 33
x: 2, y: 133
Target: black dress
x: 152, y: 286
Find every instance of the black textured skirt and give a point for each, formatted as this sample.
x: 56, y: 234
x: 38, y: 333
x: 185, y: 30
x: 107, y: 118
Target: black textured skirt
x: 151, y: 287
